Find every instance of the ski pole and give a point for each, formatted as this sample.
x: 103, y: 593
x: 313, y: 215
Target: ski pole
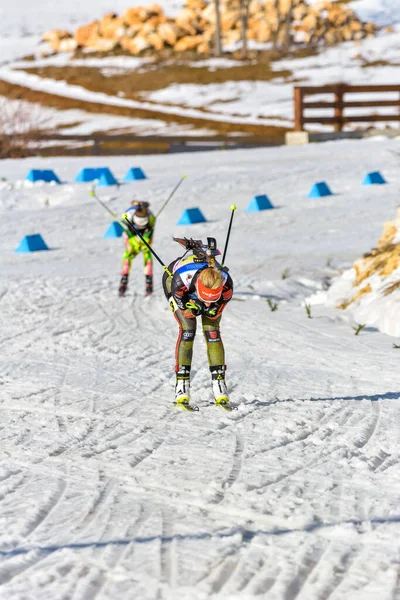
x: 95, y: 196
x: 233, y: 208
x: 170, y: 196
x: 135, y: 231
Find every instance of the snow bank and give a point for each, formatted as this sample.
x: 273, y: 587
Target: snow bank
x: 370, y: 290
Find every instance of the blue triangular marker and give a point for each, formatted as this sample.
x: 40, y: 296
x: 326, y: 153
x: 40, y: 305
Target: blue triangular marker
x: 106, y: 178
x: 46, y: 175
x: 49, y: 176
x: 32, y: 243
x: 114, y: 231
x: 259, y: 203
x: 134, y: 174
x: 191, y: 216
x: 87, y: 174
x: 319, y: 190
x: 374, y: 178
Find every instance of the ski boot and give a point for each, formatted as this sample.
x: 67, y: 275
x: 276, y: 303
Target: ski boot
x: 123, y: 285
x: 149, y: 285
x: 219, y: 388
x: 182, y: 388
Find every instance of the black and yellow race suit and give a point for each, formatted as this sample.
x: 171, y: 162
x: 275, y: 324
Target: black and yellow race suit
x: 179, y: 291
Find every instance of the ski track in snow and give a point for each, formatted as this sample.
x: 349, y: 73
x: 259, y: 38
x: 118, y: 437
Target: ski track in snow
x: 106, y: 491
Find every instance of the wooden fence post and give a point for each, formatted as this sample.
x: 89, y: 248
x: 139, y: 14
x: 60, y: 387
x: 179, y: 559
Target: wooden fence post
x: 298, y: 109
x: 339, y: 94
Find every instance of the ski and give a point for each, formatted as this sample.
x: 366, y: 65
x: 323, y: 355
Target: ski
x: 224, y: 405
x: 185, y: 406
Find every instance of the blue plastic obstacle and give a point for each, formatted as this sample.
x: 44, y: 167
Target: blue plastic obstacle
x: 259, y: 203
x: 115, y: 230
x: 106, y: 178
x: 32, y: 243
x: 89, y: 174
x: 374, y: 178
x: 191, y: 216
x: 134, y: 174
x: 86, y: 175
x: 319, y: 189
x: 46, y: 175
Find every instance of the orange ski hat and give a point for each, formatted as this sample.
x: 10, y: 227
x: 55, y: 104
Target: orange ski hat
x: 207, y: 294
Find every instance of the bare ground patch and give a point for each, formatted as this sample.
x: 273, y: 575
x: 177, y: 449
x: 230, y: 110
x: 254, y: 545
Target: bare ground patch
x: 12, y: 91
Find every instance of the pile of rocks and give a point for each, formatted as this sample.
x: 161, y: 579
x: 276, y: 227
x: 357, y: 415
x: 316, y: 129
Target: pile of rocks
x: 143, y: 29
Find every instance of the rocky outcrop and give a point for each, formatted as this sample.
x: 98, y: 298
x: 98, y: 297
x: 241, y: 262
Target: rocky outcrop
x: 142, y: 28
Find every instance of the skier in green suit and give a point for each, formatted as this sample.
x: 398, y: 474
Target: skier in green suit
x: 141, y: 217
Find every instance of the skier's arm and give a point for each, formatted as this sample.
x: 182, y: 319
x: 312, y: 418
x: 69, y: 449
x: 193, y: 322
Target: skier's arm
x: 180, y: 294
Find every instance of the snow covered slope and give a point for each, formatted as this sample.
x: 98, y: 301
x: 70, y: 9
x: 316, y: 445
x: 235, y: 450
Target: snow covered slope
x: 105, y: 491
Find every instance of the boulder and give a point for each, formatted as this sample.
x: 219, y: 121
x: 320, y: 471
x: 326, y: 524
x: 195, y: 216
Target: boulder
x: 229, y: 20
x: 185, y: 19
x: 65, y: 45
x: 156, y: 41
x: 85, y: 34
x: 131, y: 17
x: 209, y: 13
x: 56, y: 35
x: 169, y: 32
x: 112, y: 27
x: 231, y: 37
x: 203, y: 48
x: 138, y: 44
x: 155, y: 10
x: 196, y: 5
x: 189, y: 42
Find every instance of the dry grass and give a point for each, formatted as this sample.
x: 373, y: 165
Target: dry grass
x: 19, y: 126
x: 392, y: 288
x: 159, y: 76
x: 382, y: 261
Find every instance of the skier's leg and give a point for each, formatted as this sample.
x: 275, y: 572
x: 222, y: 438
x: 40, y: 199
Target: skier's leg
x: 183, y: 356
x: 216, y: 358
x: 131, y: 250
x: 184, y: 344
x: 148, y: 270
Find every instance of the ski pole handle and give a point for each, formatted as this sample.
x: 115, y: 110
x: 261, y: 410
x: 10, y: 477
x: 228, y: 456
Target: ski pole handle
x: 233, y: 208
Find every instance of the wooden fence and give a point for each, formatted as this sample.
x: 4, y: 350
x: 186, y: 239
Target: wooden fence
x: 340, y: 104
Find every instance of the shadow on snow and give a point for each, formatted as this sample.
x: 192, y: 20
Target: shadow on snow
x: 247, y: 536
x: 372, y: 398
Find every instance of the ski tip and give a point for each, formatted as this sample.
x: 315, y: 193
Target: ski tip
x: 233, y: 207
x: 184, y: 176
x: 227, y: 407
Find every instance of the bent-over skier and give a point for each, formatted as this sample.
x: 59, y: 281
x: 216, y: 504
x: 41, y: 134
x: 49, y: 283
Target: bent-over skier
x: 142, y: 219
x: 199, y: 287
